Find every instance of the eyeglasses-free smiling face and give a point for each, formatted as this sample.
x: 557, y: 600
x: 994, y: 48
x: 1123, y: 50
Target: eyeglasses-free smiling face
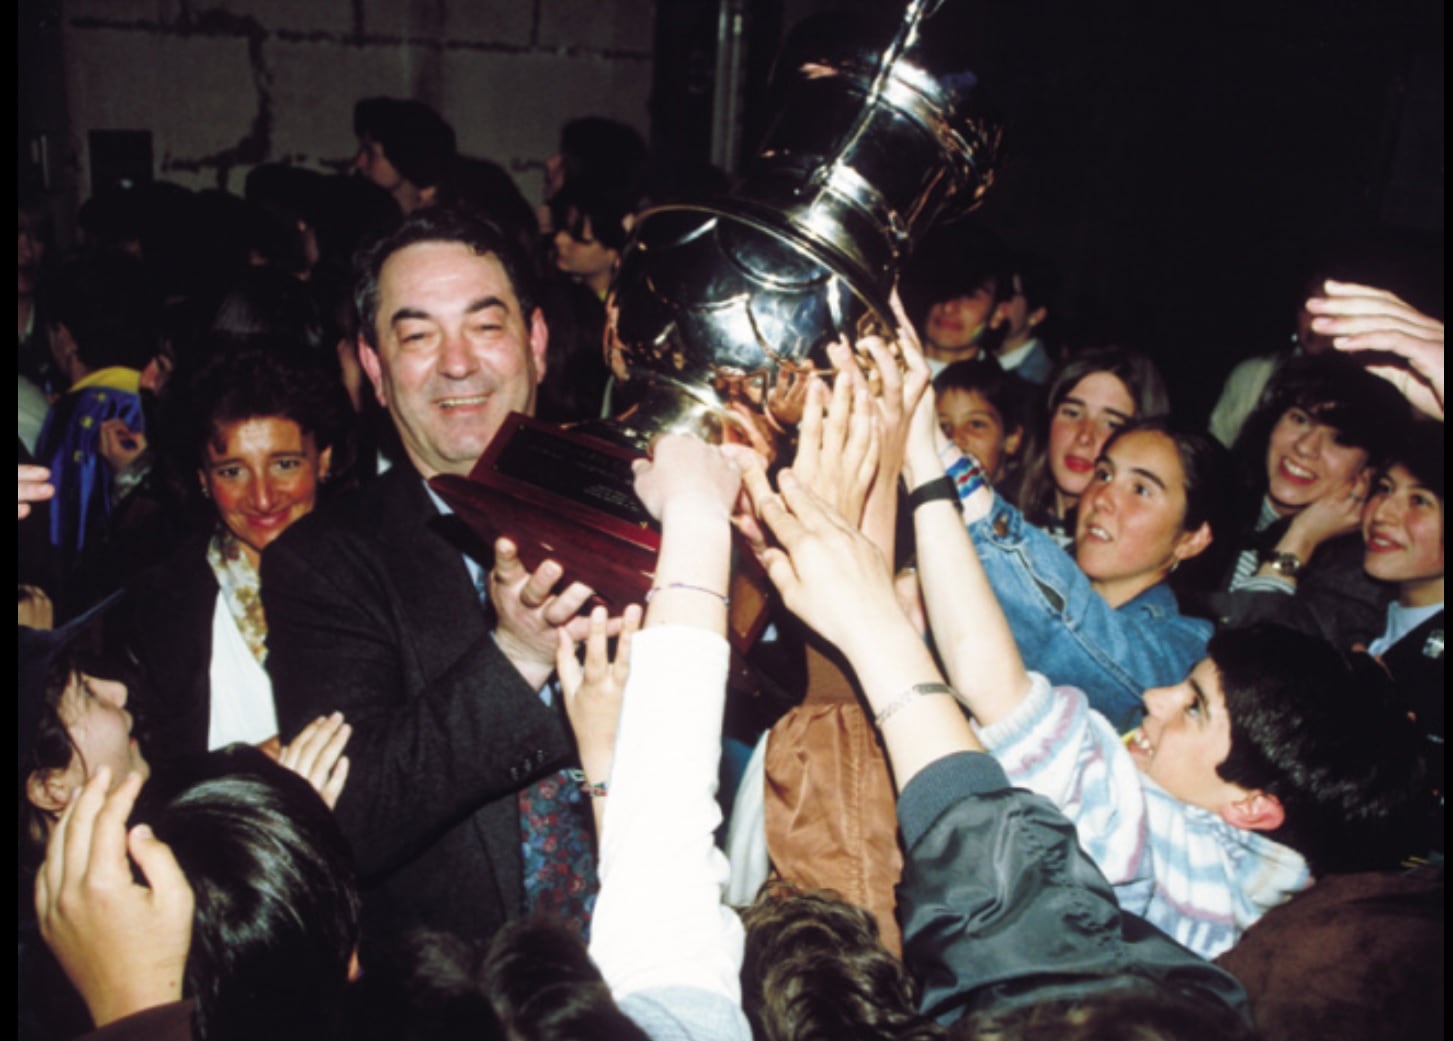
x: 971, y: 422
x: 1402, y: 531
x: 455, y: 353
x: 1306, y: 461
x: 262, y: 474
x: 1130, y: 527
x: 1083, y: 421
x: 1185, y: 735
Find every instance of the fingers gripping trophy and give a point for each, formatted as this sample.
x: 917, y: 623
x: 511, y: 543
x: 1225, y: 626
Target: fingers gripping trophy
x: 720, y: 308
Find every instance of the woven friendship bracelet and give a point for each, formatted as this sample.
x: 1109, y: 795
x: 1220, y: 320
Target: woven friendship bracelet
x: 726, y: 600
x: 968, y: 475
x: 595, y: 791
x: 918, y: 690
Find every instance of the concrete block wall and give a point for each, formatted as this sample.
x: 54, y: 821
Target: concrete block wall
x: 226, y: 84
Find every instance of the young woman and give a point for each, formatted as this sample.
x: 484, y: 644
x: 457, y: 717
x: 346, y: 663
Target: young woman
x: 1091, y: 396
x: 1313, y: 447
x: 262, y: 432
x: 1402, y: 535
x: 1103, y: 620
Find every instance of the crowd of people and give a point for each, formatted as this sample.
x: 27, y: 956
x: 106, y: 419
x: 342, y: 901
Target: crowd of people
x: 1073, y: 718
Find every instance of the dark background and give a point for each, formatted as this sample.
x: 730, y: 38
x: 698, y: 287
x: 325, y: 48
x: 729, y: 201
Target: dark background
x: 1181, y: 164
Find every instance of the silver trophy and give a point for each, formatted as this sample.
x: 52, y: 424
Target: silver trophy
x: 879, y: 135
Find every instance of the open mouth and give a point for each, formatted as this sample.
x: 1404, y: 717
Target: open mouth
x: 1299, y: 474
x: 1098, y: 533
x: 1078, y: 464
x: 1378, y: 543
x: 1139, y: 746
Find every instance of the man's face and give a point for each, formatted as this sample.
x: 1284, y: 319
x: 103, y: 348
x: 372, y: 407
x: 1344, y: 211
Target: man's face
x: 455, y: 354
x: 1185, y: 735
x: 953, y: 326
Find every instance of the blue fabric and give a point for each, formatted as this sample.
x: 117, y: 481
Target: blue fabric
x: 70, y: 446
x: 1068, y: 632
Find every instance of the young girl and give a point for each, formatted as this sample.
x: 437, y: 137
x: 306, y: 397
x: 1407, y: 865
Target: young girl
x: 1091, y: 396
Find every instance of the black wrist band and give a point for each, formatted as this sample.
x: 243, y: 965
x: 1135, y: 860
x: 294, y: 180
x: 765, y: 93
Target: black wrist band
x: 938, y: 488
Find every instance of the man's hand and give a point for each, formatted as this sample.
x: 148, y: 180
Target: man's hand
x: 1365, y: 319
x: 34, y: 486
x: 316, y: 755
x: 531, y: 613
x: 123, y: 945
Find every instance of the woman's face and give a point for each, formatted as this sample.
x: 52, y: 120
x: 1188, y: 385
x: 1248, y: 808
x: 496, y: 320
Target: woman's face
x: 262, y: 473
x: 1095, y: 407
x: 1306, y: 462
x: 971, y: 422
x: 1402, y: 529
x: 582, y: 254
x: 1130, y: 528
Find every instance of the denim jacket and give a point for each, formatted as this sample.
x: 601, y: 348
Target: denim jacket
x: 1068, y: 632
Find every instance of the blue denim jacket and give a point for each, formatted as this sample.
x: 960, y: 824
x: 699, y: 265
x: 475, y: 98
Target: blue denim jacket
x: 1068, y: 632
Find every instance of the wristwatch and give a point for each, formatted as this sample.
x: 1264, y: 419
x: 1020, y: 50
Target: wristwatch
x: 1287, y: 565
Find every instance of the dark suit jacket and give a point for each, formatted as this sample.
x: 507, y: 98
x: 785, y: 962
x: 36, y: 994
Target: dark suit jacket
x: 165, y: 628
x: 372, y: 612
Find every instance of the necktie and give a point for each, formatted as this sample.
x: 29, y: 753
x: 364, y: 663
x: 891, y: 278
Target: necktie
x: 557, y: 857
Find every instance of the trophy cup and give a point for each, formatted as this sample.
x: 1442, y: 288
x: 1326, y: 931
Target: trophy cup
x: 879, y: 133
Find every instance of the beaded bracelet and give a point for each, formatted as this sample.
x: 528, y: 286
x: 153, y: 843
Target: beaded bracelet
x: 726, y: 601
x: 918, y: 690
x: 595, y: 791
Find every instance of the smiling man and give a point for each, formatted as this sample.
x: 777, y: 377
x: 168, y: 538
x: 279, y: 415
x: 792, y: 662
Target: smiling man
x: 373, y: 611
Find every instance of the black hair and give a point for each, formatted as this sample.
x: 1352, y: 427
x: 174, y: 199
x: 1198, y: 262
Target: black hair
x: 259, y: 378
x: 1324, y: 737
x: 545, y: 987
x: 423, y: 988
x: 277, y: 906
x: 814, y: 966
x: 1038, y: 281
x: 266, y: 301
x: 438, y: 224
x: 416, y: 139
x: 1421, y: 452
x: 956, y: 261
x: 1117, y: 1013
x: 487, y: 189
x: 579, y: 203
x: 1007, y: 393
x: 1141, y: 379
x: 606, y: 154
x: 107, y: 302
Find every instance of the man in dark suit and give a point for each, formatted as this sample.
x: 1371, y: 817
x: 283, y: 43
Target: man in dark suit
x: 374, y: 612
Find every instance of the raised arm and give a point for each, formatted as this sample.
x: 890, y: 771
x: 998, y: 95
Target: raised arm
x: 1363, y: 319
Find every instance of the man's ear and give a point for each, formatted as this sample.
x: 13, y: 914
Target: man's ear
x: 368, y: 358
x: 1255, y: 811
x: 1193, y: 543
x: 539, y: 342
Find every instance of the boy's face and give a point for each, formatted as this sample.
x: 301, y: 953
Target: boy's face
x: 1185, y: 735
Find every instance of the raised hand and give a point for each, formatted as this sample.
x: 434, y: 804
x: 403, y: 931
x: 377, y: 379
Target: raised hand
x: 123, y: 945
x: 593, y: 690
x: 838, y: 439
x: 1363, y: 319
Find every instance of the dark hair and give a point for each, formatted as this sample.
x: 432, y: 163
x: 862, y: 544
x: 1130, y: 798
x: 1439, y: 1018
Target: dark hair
x: 814, y: 967
x: 579, y: 203
x: 107, y: 302
x: 1007, y: 393
x: 1120, y: 1013
x: 1038, y: 281
x: 424, y: 988
x: 438, y: 224
x: 416, y: 139
x: 277, y: 905
x: 607, y: 154
x: 1421, y: 452
x: 266, y: 301
x: 545, y: 987
x: 486, y: 189
x: 957, y: 261
x: 260, y: 378
x: 1367, y: 412
x: 1324, y: 737
x: 1141, y: 379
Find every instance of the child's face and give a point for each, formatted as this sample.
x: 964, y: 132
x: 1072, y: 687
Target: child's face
x: 971, y: 422
x: 94, y: 713
x: 1402, y: 529
x: 1185, y: 735
x: 1307, y: 461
